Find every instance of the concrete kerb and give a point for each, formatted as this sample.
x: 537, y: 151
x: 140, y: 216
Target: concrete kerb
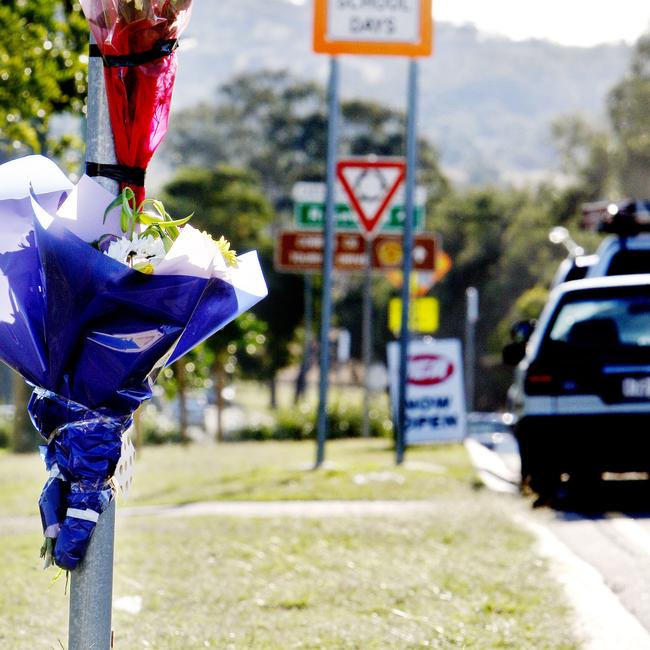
x: 601, y: 621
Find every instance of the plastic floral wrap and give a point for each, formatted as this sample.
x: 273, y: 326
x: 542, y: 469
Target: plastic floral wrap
x: 137, y: 40
x: 91, y: 332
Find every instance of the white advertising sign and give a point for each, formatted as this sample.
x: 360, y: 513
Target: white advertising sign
x: 435, y: 393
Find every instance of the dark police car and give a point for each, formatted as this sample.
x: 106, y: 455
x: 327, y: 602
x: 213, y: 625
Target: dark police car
x: 581, y: 393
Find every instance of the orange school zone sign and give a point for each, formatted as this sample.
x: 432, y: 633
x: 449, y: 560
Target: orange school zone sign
x: 388, y: 27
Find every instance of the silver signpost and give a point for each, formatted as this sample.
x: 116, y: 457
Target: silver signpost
x: 91, y: 587
x: 471, y: 318
x: 411, y: 169
x: 405, y: 29
x: 366, y: 338
x: 328, y: 255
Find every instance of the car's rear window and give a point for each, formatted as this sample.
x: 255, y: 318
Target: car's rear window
x: 603, y: 322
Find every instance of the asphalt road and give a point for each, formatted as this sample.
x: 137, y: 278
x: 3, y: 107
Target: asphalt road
x: 617, y: 546
x: 599, y: 541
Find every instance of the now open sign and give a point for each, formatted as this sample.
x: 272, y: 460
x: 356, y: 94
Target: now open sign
x: 435, y: 395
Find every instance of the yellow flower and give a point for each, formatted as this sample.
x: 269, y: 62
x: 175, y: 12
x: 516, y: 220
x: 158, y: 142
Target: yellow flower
x: 229, y: 255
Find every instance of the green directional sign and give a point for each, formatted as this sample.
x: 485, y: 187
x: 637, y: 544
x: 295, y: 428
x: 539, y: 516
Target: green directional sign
x: 312, y: 215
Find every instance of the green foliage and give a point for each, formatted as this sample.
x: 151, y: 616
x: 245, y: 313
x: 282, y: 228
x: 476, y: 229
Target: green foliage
x: 498, y: 242
x: 630, y: 119
x: 228, y: 200
x: 530, y: 304
x: 345, y: 420
x: 348, y: 309
x: 276, y: 125
x: 527, y: 307
x: 152, y: 434
x: 5, y: 433
x: 234, y: 351
x: 225, y: 200
x: 587, y: 156
x: 150, y: 213
x: 42, y: 70
x: 613, y: 162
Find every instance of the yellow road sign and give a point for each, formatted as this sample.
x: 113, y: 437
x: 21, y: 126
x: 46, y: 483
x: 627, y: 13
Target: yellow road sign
x: 424, y: 315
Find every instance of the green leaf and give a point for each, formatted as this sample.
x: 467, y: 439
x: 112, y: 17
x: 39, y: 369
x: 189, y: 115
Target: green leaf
x: 149, y: 219
x: 168, y: 242
x: 117, y: 202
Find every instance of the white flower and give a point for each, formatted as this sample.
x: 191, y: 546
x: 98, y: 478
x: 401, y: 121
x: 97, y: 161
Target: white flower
x: 119, y: 249
x: 141, y: 253
x: 148, y: 248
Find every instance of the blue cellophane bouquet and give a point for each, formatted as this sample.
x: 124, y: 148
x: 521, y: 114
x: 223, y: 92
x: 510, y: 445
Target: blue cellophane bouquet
x: 89, y: 315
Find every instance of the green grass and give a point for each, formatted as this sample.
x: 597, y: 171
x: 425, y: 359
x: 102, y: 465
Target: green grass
x: 462, y: 576
x: 354, y: 469
x: 21, y: 479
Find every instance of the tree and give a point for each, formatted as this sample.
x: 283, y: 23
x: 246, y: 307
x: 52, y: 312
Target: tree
x: 276, y: 125
x: 228, y: 201
x: 231, y: 351
x: 224, y: 200
x: 630, y: 120
x: 42, y: 73
x: 212, y: 365
x: 611, y: 162
x: 588, y: 158
x: 498, y: 242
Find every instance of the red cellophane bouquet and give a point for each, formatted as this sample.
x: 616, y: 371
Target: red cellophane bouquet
x: 137, y: 41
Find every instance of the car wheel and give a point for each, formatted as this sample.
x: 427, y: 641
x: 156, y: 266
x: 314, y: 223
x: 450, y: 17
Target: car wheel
x: 538, y: 475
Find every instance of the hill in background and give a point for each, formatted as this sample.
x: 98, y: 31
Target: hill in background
x: 485, y: 102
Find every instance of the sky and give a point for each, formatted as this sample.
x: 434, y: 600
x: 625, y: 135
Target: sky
x: 569, y: 22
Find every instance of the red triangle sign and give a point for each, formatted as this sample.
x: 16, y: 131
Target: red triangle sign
x: 370, y: 186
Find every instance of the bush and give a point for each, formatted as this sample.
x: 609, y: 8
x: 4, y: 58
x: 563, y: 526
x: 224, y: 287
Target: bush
x: 154, y: 436
x: 155, y: 429
x: 345, y: 421
x: 5, y: 433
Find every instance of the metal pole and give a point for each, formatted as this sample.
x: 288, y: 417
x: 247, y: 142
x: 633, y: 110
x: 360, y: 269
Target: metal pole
x: 91, y: 590
x: 366, y: 338
x: 301, y: 381
x: 99, y: 134
x: 91, y: 587
x: 309, y: 313
x: 328, y: 257
x: 411, y: 169
x: 471, y: 316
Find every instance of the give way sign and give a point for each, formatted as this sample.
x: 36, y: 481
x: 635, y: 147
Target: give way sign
x: 370, y: 185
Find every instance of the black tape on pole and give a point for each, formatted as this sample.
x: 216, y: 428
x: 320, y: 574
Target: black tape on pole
x: 119, y: 173
x: 158, y: 51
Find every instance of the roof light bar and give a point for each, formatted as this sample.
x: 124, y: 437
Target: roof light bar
x: 623, y: 218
